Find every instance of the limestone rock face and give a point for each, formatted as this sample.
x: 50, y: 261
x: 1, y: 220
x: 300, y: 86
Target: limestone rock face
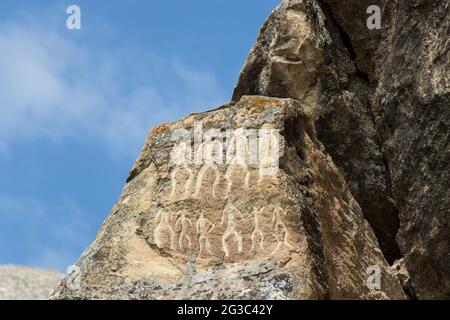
x: 402, y: 274
x: 382, y: 102
x: 412, y: 108
x: 240, y: 202
x: 301, y: 53
x: 330, y: 164
x: 24, y: 283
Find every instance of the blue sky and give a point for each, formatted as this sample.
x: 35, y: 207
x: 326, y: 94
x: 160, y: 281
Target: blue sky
x: 76, y: 105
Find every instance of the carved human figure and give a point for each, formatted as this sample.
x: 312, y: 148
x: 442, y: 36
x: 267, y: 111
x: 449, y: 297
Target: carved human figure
x: 163, y: 220
x: 257, y: 234
x: 209, y: 153
x: 231, y: 213
x: 174, y: 177
x: 204, y: 228
x: 237, y: 156
x: 182, y: 151
x: 180, y: 158
x: 280, y: 231
x: 269, y: 152
x: 183, y: 224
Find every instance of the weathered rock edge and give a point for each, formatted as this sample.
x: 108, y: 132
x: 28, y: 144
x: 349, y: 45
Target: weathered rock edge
x: 383, y: 100
x: 325, y: 255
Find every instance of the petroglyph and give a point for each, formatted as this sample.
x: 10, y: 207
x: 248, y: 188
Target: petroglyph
x: 231, y: 213
x: 269, y: 153
x: 183, y: 224
x: 181, y: 153
x: 204, y: 228
x: 163, y: 220
x: 201, y: 176
x: 280, y: 231
x: 176, y: 181
x: 210, y: 150
x: 210, y: 153
x: 237, y: 156
x: 266, y: 231
x: 229, y: 155
x: 257, y: 234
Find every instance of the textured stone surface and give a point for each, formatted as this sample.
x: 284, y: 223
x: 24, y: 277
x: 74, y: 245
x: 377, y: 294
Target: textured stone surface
x: 402, y: 274
x: 412, y: 107
x: 301, y: 53
x: 24, y: 283
x: 363, y: 117
x: 382, y: 98
x: 183, y: 232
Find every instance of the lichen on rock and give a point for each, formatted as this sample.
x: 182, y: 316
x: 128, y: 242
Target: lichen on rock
x: 330, y: 163
x: 229, y: 229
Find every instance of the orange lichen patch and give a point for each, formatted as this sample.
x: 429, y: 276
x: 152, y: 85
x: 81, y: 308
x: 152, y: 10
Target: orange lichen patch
x: 159, y: 129
x: 261, y: 102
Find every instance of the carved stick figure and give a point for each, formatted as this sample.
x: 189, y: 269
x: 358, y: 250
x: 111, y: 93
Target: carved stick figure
x: 230, y: 212
x: 280, y: 231
x: 185, y: 223
x: 201, y: 175
x: 204, y: 228
x: 209, y: 151
x: 269, y: 152
x: 237, y: 155
x: 174, y: 179
x: 257, y: 230
x: 181, y: 152
x: 164, y: 217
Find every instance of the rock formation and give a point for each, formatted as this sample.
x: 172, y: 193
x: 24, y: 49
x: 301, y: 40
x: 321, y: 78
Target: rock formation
x: 24, y: 283
x: 330, y: 163
x: 278, y: 223
x: 383, y: 100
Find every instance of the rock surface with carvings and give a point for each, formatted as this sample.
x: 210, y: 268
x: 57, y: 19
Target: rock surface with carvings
x: 383, y: 104
x: 238, y: 202
x: 359, y: 119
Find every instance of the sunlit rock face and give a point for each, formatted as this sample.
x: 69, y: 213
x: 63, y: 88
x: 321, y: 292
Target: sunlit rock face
x: 329, y: 165
x: 302, y: 53
x: 381, y: 98
x: 238, y: 202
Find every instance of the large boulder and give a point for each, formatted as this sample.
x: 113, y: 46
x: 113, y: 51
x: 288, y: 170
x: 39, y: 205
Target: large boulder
x: 362, y: 175
x: 240, y: 202
x: 411, y: 103
x: 382, y: 98
x: 302, y: 53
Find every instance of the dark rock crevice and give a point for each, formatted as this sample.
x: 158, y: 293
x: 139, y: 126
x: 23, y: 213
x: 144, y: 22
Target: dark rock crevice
x: 346, y: 122
x: 310, y: 219
x: 347, y: 42
x: 407, y: 62
x: 384, y: 219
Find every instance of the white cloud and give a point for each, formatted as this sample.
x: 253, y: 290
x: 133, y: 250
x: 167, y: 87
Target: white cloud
x: 42, y: 235
x: 56, y: 88
x: 53, y: 88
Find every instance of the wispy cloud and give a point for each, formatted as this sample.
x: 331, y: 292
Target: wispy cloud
x: 43, y: 235
x: 54, y: 88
